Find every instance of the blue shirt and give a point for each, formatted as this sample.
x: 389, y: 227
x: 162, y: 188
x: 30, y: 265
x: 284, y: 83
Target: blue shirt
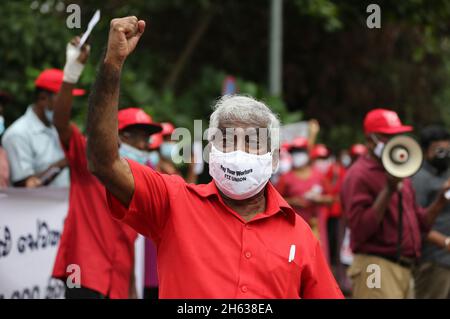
x: 32, y: 147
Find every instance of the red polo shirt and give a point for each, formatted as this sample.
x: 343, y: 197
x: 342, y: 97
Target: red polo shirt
x: 102, y: 246
x: 364, y: 181
x: 206, y: 250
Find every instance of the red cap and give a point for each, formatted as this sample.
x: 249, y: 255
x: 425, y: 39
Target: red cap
x: 384, y: 121
x: 167, y: 128
x: 298, y: 142
x: 52, y: 79
x: 319, y: 150
x: 155, y: 141
x: 135, y: 116
x: 358, y: 149
x: 285, y: 146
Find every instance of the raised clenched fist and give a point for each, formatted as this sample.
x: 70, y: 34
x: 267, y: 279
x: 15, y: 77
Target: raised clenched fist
x: 124, y: 34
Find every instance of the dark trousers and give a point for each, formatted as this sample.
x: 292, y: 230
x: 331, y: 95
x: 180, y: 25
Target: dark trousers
x: 83, y: 293
x: 151, y: 293
x: 333, y: 240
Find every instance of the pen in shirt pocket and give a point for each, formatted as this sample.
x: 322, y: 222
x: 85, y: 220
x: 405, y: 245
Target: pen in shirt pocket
x: 291, y: 253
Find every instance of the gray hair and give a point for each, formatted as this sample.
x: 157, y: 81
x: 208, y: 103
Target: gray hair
x: 247, y: 110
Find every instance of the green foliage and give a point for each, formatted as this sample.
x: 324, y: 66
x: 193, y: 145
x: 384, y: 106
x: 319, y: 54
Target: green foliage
x: 30, y: 41
x: 335, y: 68
x: 325, y: 10
x: 42, y: 45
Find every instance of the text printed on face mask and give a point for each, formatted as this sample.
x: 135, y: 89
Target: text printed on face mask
x: 235, y: 176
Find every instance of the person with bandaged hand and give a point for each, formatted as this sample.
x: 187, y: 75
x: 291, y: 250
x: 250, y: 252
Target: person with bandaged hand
x: 31, y: 142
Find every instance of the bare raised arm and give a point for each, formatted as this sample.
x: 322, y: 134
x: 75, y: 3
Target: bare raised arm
x: 102, y: 143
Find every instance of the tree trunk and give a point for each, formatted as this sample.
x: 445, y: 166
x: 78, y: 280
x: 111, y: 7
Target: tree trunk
x: 199, y: 31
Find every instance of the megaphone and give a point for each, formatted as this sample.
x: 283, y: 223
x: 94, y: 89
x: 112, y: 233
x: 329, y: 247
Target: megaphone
x: 402, y: 156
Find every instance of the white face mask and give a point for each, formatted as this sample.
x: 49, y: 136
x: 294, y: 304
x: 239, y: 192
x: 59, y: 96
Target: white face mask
x: 240, y: 175
x: 167, y: 149
x: 49, y: 115
x: 285, y: 166
x: 378, y: 150
x: 300, y: 159
x: 346, y: 160
x: 322, y: 165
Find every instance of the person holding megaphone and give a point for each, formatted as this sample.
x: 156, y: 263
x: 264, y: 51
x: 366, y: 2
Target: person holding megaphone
x: 379, y: 202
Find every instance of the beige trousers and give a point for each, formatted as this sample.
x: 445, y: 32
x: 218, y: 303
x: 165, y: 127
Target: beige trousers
x: 374, y: 277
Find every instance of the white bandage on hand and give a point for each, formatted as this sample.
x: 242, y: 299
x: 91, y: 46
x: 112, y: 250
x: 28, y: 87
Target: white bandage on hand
x: 73, y: 68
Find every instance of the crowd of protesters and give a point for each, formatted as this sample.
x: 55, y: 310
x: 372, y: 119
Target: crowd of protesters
x: 342, y: 199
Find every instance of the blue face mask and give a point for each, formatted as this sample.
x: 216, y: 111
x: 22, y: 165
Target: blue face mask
x: 154, y: 158
x: 167, y: 149
x: 130, y: 152
x: 2, y: 124
x: 49, y: 115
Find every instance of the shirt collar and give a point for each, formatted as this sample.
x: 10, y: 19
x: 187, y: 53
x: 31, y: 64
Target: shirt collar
x: 279, y: 203
x: 35, y: 124
x: 275, y: 202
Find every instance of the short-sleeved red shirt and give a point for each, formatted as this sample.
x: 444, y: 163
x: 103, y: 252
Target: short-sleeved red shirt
x: 102, y: 246
x: 206, y: 250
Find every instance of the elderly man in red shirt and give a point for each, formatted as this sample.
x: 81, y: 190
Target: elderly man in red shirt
x: 370, y: 196
x: 235, y: 237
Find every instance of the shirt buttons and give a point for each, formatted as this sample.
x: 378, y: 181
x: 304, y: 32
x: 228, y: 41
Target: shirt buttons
x: 244, y: 288
x: 248, y: 254
x: 247, y: 226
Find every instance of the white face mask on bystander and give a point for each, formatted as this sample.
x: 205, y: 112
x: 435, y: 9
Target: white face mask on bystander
x: 240, y: 175
x: 300, y: 159
x: 130, y: 152
x: 49, y: 115
x: 379, y: 147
